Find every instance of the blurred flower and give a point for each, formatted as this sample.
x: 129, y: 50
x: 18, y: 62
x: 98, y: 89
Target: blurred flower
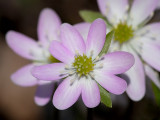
x: 132, y: 36
x: 82, y: 67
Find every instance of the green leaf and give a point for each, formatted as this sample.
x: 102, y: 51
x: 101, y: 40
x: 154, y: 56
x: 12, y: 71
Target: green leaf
x: 90, y: 16
x: 105, y: 96
x: 156, y: 91
x: 107, y: 43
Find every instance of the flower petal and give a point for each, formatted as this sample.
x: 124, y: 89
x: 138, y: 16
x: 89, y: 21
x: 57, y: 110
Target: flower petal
x: 114, y: 10
x: 117, y: 62
x: 136, y: 87
x: 96, y: 37
x: 139, y: 9
x: 153, y: 75
x: 49, y: 71
x: 66, y: 94
x: 60, y: 52
x: 44, y: 92
x: 112, y: 83
x: 23, y: 76
x: 48, y: 26
x: 83, y: 29
x: 24, y: 46
x: 72, y: 39
x: 150, y: 53
x: 90, y: 92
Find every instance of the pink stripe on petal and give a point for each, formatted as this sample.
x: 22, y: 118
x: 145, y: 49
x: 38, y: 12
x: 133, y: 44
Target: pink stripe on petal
x: 90, y: 92
x: 96, y: 37
x: 23, y: 45
x: 66, y: 94
x: 23, y: 76
x: 49, y: 71
x: 60, y: 52
x: 48, y: 26
x: 112, y: 83
x: 44, y: 93
x: 72, y: 39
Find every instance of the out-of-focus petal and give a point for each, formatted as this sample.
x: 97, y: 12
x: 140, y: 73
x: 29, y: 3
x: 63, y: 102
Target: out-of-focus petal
x: 90, y: 92
x: 48, y: 26
x: 44, y: 93
x: 23, y: 45
x: 49, y: 71
x: 60, y: 52
x: 67, y: 93
x: 112, y: 83
x: 23, y: 76
x: 114, y: 10
x: 96, y: 38
x: 142, y: 8
x: 83, y: 29
x: 72, y: 39
x: 153, y: 75
x: 117, y: 62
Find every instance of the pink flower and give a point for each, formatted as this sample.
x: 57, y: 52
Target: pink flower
x: 82, y: 68
x: 133, y: 36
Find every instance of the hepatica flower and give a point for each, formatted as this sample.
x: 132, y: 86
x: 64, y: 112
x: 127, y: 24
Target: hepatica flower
x: 133, y: 36
x: 82, y: 68
x: 37, y: 52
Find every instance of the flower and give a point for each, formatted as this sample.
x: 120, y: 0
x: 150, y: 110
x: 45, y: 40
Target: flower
x: 82, y: 68
x: 36, y: 51
x: 133, y: 36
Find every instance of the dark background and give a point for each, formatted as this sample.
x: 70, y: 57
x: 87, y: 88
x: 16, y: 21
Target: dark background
x: 17, y: 103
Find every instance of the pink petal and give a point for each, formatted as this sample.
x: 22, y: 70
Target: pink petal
x: 139, y: 9
x: 117, y: 62
x: 48, y: 26
x: 72, y: 39
x: 112, y: 83
x: 60, y: 52
x: 83, y: 29
x: 23, y: 76
x: 114, y: 10
x: 44, y: 93
x: 90, y: 93
x: 153, y: 75
x: 96, y: 37
x: 49, y: 71
x: 23, y: 45
x: 66, y: 94
x: 150, y: 53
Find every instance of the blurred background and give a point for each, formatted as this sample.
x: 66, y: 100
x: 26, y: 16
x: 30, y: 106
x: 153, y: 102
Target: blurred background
x: 17, y: 103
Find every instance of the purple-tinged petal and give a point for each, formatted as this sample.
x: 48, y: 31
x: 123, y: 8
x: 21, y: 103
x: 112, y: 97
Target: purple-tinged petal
x: 67, y: 93
x: 139, y: 9
x: 83, y: 29
x: 23, y: 76
x: 96, y: 37
x: 48, y: 26
x: 44, y: 93
x: 136, y: 77
x: 117, y: 62
x: 49, y: 71
x: 23, y: 45
x: 153, y: 75
x: 112, y: 83
x: 90, y: 92
x: 72, y: 39
x: 114, y: 10
x: 60, y: 52
x: 150, y: 53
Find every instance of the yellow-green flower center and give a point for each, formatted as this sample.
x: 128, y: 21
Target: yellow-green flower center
x: 83, y: 64
x: 123, y: 32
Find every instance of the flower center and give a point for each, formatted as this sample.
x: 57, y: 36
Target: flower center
x: 83, y: 64
x: 123, y: 32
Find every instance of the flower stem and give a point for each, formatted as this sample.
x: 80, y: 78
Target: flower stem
x: 89, y: 114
